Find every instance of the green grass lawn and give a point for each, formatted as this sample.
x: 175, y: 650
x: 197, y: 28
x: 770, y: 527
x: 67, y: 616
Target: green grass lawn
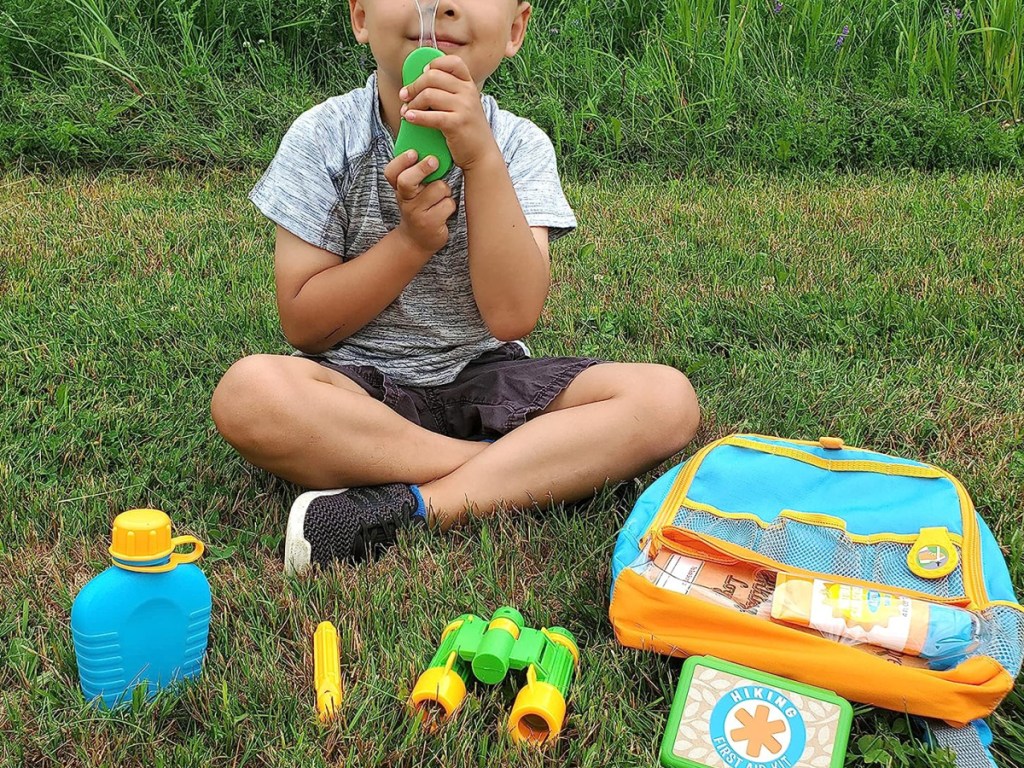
x: 882, y: 308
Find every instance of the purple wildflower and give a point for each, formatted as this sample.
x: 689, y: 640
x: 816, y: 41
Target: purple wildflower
x: 958, y: 13
x: 842, y: 36
x: 777, y: 8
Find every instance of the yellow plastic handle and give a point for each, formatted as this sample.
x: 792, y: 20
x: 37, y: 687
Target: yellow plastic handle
x: 186, y: 557
x: 176, y: 559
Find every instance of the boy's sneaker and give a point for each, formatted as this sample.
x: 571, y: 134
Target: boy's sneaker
x: 348, y: 524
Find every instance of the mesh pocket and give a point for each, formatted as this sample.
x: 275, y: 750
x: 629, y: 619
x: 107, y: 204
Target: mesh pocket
x: 1003, y: 638
x: 821, y: 549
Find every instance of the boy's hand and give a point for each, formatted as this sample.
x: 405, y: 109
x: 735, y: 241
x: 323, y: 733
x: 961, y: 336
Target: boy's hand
x: 425, y: 209
x: 445, y: 97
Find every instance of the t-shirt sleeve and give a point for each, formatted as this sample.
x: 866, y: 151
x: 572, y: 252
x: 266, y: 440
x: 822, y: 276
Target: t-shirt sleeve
x: 297, y: 190
x: 534, y: 173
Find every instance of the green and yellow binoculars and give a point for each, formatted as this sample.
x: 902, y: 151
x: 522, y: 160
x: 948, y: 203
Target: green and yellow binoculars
x: 488, y: 650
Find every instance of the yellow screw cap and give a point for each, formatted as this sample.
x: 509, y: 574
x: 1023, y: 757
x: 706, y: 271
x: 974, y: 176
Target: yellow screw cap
x: 141, y: 534
x: 144, y: 535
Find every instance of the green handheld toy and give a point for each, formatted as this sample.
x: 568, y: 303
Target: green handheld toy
x: 489, y: 649
x: 728, y: 716
x: 426, y: 141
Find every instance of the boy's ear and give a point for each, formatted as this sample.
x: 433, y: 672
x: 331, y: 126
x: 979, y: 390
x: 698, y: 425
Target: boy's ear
x: 357, y: 15
x: 518, y: 32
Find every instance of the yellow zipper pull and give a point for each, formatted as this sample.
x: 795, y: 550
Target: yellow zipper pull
x: 933, y: 555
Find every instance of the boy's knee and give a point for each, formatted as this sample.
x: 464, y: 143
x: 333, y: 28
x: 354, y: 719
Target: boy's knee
x: 671, y: 404
x: 245, y: 394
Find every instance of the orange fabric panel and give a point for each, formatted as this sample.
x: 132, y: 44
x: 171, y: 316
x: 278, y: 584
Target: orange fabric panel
x: 650, y: 618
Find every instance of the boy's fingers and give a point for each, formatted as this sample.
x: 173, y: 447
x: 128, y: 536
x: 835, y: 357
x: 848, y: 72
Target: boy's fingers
x: 453, y: 65
x: 434, y: 192
x: 431, y: 118
x: 432, y: 78
x: 446, y: 206
x: 397, y: 165
x: 434, y: 98
x: 411, y: 179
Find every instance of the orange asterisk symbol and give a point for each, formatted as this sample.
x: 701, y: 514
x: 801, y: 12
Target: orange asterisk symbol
x: 758, y: 731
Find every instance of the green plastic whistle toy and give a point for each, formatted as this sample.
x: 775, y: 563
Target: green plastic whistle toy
x: 426, y: 141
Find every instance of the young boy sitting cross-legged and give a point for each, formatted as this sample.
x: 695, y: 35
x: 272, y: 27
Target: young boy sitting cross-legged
x: 406, y: 302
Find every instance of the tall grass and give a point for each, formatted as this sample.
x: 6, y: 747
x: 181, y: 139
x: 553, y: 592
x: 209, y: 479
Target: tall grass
x: 928, y: 83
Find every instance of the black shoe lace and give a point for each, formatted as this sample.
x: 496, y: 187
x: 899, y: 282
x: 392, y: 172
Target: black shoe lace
x: 376, y: 535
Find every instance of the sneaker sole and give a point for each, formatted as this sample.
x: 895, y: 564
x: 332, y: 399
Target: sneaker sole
x: 297, y: 551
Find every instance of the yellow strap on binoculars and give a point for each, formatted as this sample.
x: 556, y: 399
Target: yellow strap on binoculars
x: 565, y: 642
x: 451, y: 661
x: 451, y: 628
x: 507, y: 624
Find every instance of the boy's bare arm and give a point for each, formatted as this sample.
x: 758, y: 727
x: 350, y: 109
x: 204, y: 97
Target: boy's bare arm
x: 508, y: 260
x: 321, y: 301
x: 508, y: 263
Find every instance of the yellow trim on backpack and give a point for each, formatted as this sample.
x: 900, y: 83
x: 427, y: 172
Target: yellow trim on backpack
x: 676, y: 494
x: 970, y: 561
x: 838, y: 465
x: 810, y: 443
x: 1005, y: 604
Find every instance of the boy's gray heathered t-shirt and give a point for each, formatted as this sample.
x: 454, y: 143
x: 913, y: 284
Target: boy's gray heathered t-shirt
x: 326, y: 185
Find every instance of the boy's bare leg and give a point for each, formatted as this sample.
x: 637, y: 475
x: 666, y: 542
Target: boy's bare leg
x: 614, y: 421
x: 319, y: 429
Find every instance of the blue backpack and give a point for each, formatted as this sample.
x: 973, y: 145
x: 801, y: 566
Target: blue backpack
x: 843, y: 568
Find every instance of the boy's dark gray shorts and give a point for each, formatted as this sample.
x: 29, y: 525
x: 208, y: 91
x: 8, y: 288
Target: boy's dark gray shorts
x: 494, y: 394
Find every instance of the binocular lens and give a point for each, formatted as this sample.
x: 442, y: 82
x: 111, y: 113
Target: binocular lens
x: 432, y: 713
x: 533, y: 728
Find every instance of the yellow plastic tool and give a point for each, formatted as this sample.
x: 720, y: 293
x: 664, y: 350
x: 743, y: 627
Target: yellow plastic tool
x: 327, y: 671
